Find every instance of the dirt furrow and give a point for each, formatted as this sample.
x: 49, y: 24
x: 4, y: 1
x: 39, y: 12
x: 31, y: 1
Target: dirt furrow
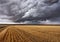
x: 17, y: 35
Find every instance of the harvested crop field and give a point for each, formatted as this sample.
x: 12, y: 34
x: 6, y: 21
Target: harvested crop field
x: 29, y: 33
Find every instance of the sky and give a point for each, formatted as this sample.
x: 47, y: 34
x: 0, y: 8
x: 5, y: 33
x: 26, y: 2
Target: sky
x: 30, y: 11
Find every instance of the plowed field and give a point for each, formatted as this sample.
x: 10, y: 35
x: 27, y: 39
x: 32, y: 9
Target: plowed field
x: 30, y: 33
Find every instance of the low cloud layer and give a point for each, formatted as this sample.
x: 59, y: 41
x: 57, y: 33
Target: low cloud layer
x: 32, y: 11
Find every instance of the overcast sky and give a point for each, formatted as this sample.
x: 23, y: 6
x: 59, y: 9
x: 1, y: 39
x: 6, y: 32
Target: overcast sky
x: 30, y: 11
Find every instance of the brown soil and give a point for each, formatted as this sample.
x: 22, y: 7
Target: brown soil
x: 19, y: 33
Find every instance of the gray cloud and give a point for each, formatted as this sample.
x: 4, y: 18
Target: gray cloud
x: 33, y: 11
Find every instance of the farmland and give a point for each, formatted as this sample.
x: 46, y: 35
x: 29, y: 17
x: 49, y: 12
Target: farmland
x: 29, y: 33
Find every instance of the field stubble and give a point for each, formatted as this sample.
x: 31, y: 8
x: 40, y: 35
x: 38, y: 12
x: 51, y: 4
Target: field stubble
x: 19, y: 33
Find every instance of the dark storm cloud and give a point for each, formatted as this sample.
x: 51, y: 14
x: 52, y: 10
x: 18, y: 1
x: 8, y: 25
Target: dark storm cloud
x: 34, y: 11
x: 38, y: 10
